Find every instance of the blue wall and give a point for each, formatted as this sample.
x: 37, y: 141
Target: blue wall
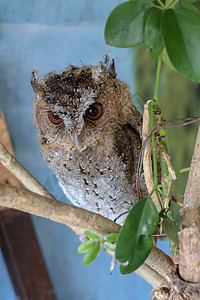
x: 48, y: 35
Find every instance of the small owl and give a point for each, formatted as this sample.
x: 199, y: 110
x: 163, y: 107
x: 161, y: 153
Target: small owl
x: 89, y: 133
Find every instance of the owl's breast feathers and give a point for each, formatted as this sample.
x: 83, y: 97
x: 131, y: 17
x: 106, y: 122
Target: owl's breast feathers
x: 101, y: 178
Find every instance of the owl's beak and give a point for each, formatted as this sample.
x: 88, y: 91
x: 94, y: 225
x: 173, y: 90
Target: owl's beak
x: 76, y: 139
x: 74, y: 132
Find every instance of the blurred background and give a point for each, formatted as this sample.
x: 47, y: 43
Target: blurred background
x: 48, y: 35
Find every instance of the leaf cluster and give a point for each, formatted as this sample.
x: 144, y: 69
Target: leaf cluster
x: 92, y: 246
x: 170, y: 25
x: 134, y: 242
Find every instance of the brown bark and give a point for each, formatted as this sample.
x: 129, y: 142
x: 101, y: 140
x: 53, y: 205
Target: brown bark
x: 13, y: 166
x: 190, y: 209
x: 189, y: 254
x: 5, y: 176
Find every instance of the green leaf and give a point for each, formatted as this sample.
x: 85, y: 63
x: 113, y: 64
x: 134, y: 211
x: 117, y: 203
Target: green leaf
x: 152, y: 34
x: 166, y: 60
x: 180, y: 29
x: 111, y: 237
x: 135, y: 242
x: 91, y: 254
x: 92, y: 235
x: 171, y: 229
x: 191, y: 0
x: 85, y: 246
x: 189, y: 6
x: 109, y: 246
x: 146, y: 16
x: 124, y: 26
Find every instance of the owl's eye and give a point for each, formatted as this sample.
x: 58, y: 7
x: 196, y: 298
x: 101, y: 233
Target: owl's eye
x: 94, y: 112
x: 54, y: 118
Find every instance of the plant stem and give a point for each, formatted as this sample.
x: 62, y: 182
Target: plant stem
x: 153, y: 140
x: 173, y: 4
x: 151, y: 123
x: 161, y: 4
x: 182, y: 170
x: 157, y: 77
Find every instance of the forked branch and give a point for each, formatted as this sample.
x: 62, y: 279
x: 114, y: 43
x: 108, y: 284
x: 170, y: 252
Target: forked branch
x: 158, y: 264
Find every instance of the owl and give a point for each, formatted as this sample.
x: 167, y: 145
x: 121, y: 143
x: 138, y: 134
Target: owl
x: 89, y: 134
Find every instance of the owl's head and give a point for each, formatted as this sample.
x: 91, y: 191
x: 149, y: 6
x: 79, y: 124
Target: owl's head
x: 77, y: 106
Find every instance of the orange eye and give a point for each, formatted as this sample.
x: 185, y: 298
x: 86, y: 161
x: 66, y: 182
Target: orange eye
x: 94, y: 112
x: 54, y: 118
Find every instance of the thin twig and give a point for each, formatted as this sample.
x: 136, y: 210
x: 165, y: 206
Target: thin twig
x: 176, y: 200
x: 167, y: 159
x: 171, y: 175
x: 154, y: 130
x: 168, y: 196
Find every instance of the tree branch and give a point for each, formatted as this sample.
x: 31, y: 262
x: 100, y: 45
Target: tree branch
x: 72, y: 216
x: 189, y: 254
x: 189, y: 237
x: 41, y: 203
x: 79, y: 220
x: 190, y: 210
x: 12, y: 165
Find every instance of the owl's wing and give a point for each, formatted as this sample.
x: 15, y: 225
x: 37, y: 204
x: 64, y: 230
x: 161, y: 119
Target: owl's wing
x: 128, y: 145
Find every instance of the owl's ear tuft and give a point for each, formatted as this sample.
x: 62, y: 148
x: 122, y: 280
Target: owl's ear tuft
x: 37, y: 82
x: 111, y: 69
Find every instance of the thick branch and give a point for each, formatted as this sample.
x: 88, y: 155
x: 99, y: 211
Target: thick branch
x: 189, y: 258
x: 190, y: 209
x: 77, y: 218
x: 151, y: 276
x: 55, y: 210
x: 189, y: 254
x: 5, y: 176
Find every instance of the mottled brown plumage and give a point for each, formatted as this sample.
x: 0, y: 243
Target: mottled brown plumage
x: 89, y: 133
